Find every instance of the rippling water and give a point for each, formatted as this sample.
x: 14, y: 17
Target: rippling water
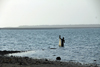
x: 81, y: 45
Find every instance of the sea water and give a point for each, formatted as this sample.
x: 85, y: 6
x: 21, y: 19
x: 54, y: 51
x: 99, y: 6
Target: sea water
x: 81, y: 44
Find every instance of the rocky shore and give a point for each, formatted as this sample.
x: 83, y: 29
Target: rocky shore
x: 6, y: 61
x: 8, y: 52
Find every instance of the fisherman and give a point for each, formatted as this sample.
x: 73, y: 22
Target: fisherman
x: 61, y: 41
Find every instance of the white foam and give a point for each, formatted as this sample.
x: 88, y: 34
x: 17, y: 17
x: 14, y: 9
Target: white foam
x: 28, y: 53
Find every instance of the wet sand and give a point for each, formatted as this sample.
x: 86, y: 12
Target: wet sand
x: 12, y: 61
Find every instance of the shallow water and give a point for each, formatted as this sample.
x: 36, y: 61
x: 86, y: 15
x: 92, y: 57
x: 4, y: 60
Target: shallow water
x: 81, y: 45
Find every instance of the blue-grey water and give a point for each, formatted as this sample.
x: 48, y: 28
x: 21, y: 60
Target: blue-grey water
x: 81, y: 44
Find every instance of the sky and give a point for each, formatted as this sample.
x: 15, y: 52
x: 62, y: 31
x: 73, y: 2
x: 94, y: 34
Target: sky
x: 15, y: 13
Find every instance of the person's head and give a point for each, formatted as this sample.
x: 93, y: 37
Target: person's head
x: 63, y: 37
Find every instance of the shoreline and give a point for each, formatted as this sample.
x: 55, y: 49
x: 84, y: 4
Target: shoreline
x: 13, y: 61
x: 2, y: 53
x: 45, y: 28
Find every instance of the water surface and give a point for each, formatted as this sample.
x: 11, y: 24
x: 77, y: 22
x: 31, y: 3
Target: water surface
x: 81, y: 45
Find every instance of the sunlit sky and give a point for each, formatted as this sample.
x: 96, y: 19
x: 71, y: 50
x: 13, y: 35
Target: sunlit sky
x: 14, y: 13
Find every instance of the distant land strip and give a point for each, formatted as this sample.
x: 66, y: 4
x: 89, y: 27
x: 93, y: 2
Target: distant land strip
x: 54, y: 26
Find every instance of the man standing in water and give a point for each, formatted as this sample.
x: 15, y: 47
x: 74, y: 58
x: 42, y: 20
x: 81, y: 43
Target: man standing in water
x: 61, y: 41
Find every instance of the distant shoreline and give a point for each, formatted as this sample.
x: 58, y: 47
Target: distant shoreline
x: 53, y: 26
x: 45, y: 28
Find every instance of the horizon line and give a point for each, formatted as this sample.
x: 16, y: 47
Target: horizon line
x: 56, y: 26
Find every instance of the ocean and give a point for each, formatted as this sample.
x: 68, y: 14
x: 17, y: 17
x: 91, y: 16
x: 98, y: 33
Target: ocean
x: 81, y: 44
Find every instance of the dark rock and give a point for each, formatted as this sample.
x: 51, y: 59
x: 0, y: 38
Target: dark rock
x: 58, y: 58
x: 46, y: 59
x: 54, y: 55
x: 26, y: 57
x: 8, y: 52
x: 20, y: 63
x: 51, y: 48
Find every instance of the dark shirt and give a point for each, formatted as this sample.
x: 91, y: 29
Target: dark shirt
x: 63, y: 41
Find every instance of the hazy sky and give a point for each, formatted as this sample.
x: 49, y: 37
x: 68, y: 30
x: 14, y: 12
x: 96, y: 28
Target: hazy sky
x: 48, y: 12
